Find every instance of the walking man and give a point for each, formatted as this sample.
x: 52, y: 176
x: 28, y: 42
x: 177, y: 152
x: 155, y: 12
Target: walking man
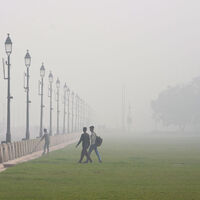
x: 85, y: 139
x: 93, y: 145
x: 46, y: 141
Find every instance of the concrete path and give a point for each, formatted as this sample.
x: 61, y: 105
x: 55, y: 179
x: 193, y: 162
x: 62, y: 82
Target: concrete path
x: 32, y: 156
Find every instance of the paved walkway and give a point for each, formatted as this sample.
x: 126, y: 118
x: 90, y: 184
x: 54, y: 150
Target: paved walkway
x: 32, y: 156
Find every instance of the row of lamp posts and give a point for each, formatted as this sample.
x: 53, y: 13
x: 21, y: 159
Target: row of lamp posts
x: 77, y: 114
x: 75, y: 126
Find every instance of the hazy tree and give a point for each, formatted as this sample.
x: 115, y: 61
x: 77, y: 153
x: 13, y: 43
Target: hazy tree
x: 179, y: 105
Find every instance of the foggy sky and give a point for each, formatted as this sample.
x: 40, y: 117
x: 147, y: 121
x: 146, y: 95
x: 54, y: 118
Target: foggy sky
x: 98, y: 46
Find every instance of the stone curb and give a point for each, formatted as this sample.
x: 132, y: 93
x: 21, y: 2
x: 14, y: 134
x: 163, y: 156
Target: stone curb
x: 32, y: 156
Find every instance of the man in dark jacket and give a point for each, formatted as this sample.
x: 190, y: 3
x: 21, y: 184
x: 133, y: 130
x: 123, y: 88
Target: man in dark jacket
x: 85, y: 139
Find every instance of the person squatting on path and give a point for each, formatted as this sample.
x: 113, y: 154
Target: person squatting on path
x: 46, y: 141
x: 85, y: 139
x: 93, y: 145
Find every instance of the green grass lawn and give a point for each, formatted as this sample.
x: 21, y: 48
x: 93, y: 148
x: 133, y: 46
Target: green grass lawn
x: 132, y: 168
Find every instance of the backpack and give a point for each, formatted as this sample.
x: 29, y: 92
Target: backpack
x: 99, y: 141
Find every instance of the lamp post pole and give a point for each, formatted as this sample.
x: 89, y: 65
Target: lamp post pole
x: 68, y: 113
x: 79, y: 113
x: 64, y: 114
x: 82, y: 115
x: 50, y: 97
x: 77, y: 125
x: 85, y: 114
x: 76, y: 113
x: 8, y: 134
x: 41, y: 93
x: 8, y: 48
x: 27, y: 59
x: 88, y: 114
x: 72, y: 96
x: 57, y: 99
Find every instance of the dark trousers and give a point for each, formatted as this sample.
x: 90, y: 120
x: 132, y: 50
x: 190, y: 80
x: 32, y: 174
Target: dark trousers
x: 85, y: 153
x: 46, y: 147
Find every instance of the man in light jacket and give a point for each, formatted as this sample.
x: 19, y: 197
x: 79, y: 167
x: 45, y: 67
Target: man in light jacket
x: 93, y: 145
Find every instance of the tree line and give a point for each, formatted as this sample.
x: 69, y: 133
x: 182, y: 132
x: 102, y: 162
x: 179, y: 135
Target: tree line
x: 178, y: 105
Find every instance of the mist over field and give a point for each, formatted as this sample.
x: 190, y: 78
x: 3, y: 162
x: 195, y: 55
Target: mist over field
x: 130, y: 68
x: 121, y: 57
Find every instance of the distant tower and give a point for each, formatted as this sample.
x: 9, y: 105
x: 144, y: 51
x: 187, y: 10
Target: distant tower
x: 123, y: 107
x: 129, y: 118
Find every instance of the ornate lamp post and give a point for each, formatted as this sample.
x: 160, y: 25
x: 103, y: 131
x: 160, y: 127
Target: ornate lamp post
x: 27, y: 60
x: 72, y: 96
x: 41, y: 93
x: 57, y: 99
x: 50, y: 96
x: 68, y: 113
x: 64, y: 114
x: 8, y: 48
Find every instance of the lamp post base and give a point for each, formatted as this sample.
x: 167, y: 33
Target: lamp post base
x: 8, y: 138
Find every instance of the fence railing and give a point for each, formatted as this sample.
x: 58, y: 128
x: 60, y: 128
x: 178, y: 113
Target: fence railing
x: 11, y: 151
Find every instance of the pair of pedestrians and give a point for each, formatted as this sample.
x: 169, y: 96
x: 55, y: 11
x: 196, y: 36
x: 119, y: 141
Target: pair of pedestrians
x: 85, y: 139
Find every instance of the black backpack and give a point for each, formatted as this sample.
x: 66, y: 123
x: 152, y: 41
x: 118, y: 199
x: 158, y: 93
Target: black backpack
x: 99, y: 141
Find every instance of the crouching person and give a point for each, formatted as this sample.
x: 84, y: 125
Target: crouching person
x: 85, y: 139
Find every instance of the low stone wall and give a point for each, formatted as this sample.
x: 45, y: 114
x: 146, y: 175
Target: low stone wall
x: 11, y: 151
